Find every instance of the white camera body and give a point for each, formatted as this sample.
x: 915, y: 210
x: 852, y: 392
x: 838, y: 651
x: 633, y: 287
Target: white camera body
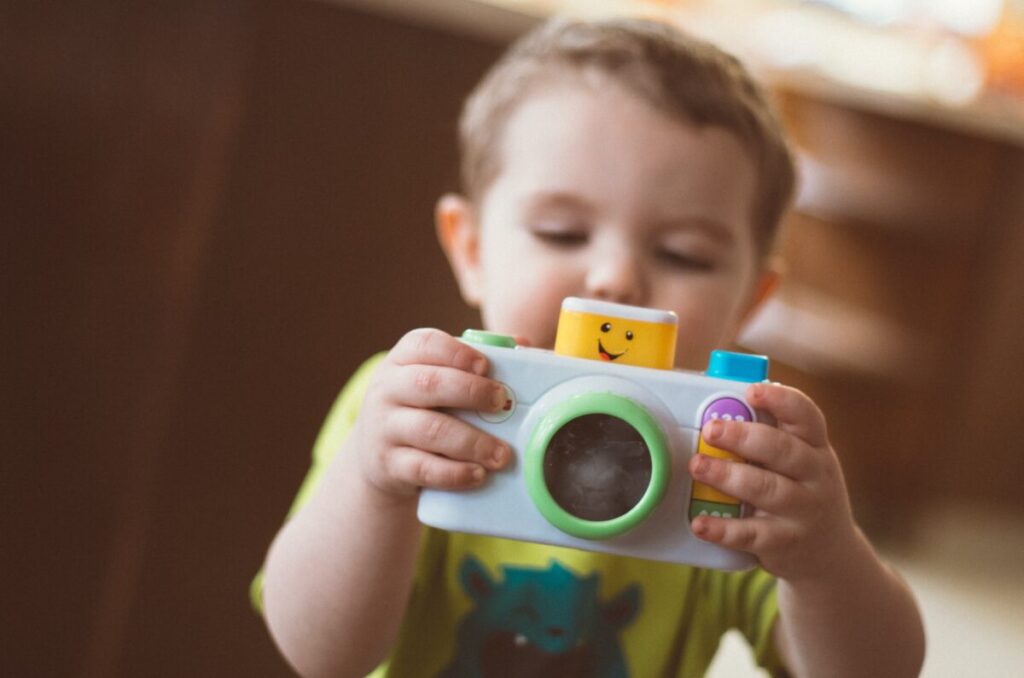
x: 546, y: 419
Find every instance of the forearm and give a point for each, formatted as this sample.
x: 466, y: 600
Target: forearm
x: 339, y: 574
x: 863, y: 621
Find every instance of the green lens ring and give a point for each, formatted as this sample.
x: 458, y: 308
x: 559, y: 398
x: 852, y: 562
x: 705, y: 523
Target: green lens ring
x: 581, y: 405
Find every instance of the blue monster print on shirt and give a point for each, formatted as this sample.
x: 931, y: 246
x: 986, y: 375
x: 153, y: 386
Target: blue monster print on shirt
x: 540, y: 622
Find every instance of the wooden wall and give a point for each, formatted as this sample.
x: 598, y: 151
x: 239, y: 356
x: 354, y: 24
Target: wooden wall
x: 213, y: 211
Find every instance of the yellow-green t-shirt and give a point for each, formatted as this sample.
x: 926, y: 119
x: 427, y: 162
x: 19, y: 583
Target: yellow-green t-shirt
x: 484, y: 606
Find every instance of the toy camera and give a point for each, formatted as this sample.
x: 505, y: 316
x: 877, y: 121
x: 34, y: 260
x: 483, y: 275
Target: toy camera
x: 601, y: 430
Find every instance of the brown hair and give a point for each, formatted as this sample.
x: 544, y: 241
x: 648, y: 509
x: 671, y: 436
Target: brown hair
x: 686, y: 78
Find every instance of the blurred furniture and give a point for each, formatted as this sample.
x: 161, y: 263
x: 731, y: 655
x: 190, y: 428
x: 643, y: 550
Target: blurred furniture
x: 909, y: 235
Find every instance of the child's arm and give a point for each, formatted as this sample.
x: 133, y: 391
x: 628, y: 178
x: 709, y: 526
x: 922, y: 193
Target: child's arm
x: 842, y: 611
x: 340, y: 572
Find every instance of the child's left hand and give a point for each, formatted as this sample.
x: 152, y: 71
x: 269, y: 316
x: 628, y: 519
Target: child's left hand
x: 802, y: 522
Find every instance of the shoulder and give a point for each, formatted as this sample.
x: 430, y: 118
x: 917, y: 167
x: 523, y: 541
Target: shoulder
x: 345, y: 410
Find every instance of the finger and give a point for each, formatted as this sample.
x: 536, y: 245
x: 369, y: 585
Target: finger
x: 443, y: 434
x: 761, y: 487
x: 794, y: 412
x: 754, y: 535
x: 774, y: 449
x: 428, y: 386
x: 422, y: 469
x: 434, y: 347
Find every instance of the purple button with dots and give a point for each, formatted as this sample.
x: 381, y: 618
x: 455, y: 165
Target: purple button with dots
x: 729, y: 409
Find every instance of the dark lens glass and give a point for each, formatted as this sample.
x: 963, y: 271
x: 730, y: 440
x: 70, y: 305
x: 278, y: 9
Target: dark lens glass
x: 597, y: 467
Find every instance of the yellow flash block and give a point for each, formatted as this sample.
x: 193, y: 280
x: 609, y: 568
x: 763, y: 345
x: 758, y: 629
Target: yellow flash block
x: 627, y: 335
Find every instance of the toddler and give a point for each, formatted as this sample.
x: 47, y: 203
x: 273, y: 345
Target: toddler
x: 619, y: 161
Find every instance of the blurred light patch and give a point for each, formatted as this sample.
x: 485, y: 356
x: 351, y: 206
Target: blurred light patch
x: 953, y: 73
x: 910, y: 65
x: 967, y: 17
x: 964, y: 17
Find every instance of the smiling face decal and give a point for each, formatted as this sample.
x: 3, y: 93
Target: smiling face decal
x: 604, y: 352
x: 626, y: 335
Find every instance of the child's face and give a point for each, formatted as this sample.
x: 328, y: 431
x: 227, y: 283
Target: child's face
x: 600, y: 195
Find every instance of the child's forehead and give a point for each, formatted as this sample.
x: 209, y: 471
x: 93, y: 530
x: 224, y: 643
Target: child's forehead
x: 557, y: 127
x: 577, y: 150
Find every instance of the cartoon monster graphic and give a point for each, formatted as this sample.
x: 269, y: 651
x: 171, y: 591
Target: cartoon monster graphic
x: 540, y: 622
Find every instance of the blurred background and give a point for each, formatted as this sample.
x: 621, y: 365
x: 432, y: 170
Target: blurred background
x: 213, y: 210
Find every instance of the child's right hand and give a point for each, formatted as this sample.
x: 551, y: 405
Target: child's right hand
x: 403, y: 442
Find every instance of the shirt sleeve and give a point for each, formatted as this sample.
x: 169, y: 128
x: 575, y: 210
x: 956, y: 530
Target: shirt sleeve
x: 335, y: 429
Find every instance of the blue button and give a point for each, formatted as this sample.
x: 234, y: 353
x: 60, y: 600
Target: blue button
x: 738, y: 366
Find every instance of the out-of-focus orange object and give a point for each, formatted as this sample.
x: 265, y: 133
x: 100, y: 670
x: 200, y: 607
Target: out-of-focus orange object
x: 1003, y: 52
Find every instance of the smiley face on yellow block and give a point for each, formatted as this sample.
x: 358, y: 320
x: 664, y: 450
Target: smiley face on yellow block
x: 627, y: 335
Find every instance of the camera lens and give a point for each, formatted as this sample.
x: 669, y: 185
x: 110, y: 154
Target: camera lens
x: 597, y: 467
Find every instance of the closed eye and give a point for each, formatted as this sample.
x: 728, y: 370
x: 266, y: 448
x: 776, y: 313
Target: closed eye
x: 685, y: 261
x: 561, y: 238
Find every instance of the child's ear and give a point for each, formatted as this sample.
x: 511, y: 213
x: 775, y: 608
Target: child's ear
x: 459, y: 234
x: 765, y: 286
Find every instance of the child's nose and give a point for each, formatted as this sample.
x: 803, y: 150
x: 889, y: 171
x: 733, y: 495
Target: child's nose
x: 617, y: 277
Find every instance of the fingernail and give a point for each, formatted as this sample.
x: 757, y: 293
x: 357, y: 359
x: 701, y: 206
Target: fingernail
x: 714, y: 429
x: 480, y: 366
x: 478, y: 474
x: 500, y: 455
x: 702, y: 464
x: 499, y: 397
x: 756, y: 391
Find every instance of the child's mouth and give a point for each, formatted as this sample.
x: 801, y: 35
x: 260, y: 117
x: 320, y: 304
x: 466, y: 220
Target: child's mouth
x: 605, y: 355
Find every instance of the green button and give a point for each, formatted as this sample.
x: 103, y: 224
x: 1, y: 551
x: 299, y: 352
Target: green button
x: 713, y: 508
x: 489, y: 338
